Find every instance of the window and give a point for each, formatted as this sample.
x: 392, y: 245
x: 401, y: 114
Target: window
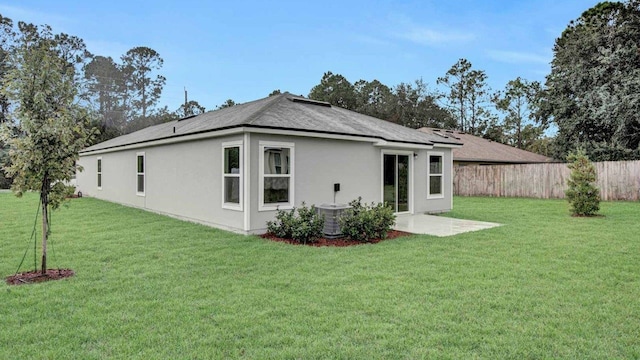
x: 276, y: 175
x: 232, y: 175
x: 140, y: 174
x: 99, y: 173
x: 435, y: 175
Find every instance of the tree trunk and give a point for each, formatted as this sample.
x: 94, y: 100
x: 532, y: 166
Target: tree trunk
x: 45, y: 222
x: 144, y: 99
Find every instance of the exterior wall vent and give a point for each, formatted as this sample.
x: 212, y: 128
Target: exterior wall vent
x: 332, y: 214
x: 187, y: 117
x: 440, y: 134
x: 309, y: 101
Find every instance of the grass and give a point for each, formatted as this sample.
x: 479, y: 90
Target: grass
x: 544, y: 285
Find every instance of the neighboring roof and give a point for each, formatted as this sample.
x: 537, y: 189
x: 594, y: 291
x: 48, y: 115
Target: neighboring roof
x: 284, y: 112
x: 478, y: 149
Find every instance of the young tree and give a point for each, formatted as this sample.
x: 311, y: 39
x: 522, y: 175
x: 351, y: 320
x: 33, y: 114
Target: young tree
x: 582, y: 193
x: 51, y: 126
x: 467, y: 97
x: 143, y: 89
x: 592, y: 91
x: 518, y: 101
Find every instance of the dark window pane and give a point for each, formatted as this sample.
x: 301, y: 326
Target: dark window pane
x: 276, y: 161
x: 141, y: 183
x: 99, y: 180
x: 232, y: 190
x: 389, y: 178
x: 435, y: 185
x: 435, y: 164
x: 232, y: 160
x: 140, y: 163
x: 403, y: 183
x: 276, y: 190
x: 99, y: 165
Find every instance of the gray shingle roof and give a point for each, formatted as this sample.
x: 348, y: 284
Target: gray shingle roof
x: 286, y: 112
x: 477, y: 149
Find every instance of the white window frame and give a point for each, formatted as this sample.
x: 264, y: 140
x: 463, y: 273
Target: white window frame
x: 429, y: 175
x: 275, y: 206
x: 240, y: 175
x: 99, y: 165
x: 143, y: 173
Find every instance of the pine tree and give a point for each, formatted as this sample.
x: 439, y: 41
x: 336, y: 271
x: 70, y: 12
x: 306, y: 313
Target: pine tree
x: 582, y: 194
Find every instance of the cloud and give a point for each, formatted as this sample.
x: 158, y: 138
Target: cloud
x: 518, y: 57
x: 17, y: 13
x: 369, y: 40
x: 435, y: 34
x: 428, y: 36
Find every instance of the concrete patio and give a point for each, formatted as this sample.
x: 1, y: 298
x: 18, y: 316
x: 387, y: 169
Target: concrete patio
x: 438, y: 225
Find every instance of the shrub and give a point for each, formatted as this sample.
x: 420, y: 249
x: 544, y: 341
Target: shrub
x: 282, y: 226
x: 582, y: 194
x: 366, y: 222
x: 305, y: 227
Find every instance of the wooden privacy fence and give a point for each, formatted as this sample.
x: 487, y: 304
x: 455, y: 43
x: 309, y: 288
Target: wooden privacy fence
x: 617, y: 180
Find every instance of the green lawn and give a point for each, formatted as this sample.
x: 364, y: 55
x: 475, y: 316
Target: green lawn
x: 544, y: 285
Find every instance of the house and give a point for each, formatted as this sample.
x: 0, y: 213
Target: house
x: 233, y: 168
x: 481, y: 151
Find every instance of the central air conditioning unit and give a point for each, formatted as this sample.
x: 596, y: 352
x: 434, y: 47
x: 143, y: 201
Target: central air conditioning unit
x: 332, y: 214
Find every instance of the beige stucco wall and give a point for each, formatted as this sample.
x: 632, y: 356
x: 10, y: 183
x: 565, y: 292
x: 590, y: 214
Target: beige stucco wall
x: 320, y: 163
x: 184, y: 179
x: 357, y: 166
x: 423, y: 204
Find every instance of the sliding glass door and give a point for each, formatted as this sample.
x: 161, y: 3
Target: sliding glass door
x: 395, y: 184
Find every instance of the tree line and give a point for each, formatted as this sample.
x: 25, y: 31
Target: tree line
x: 591, y: 94
x: 119, y: 96
x: 468, y: 105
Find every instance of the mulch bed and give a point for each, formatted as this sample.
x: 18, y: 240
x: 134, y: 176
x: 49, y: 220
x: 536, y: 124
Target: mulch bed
x: 337, y: 242
x: 36, y: 276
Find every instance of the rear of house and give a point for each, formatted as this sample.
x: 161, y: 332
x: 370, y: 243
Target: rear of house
x: 233, y: 168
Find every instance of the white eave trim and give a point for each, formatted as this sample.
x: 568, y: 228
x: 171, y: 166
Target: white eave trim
x: 399, y: 145
x: 170, y: 140
x: 450, y: 146
x: 243, y: 129
x: 311, y: 134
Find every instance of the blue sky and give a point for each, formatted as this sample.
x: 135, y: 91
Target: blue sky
x: 243, y: 50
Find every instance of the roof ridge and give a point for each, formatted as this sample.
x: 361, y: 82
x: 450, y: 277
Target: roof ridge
x: 268, y: 104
